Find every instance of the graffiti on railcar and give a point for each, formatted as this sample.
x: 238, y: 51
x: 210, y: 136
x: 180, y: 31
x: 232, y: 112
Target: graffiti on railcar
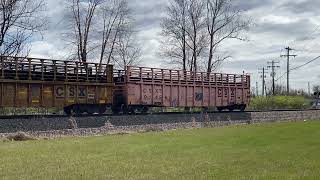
x: 199, y: 96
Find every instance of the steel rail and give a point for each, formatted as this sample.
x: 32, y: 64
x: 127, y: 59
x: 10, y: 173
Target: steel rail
x: 39, y: 116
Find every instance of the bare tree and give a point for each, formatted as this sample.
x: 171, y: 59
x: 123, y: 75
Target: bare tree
x: 83, y: 13
x: 116, y: 17
x: 174, y: 28
x: 19, y: 21
x: 195, y: 31
x: 223, y: 22
x: 184, y: 32
x: 316, y: 88
x: 128, y: 51
x: 103, y: 29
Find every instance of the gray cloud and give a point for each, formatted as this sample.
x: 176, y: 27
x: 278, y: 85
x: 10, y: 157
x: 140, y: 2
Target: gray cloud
x: 306, y: 6
x: 278, y: 23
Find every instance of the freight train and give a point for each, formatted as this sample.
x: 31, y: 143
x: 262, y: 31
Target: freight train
x: 79, y: 87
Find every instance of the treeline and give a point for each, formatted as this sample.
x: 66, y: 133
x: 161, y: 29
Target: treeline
x: 194, y: 31
x: 296, y: 99
x: 104, y: 30
x: 100, y: 30
x: 279, y: 103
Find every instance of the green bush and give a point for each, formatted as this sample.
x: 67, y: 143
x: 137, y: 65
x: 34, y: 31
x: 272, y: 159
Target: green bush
x: 279, y: 102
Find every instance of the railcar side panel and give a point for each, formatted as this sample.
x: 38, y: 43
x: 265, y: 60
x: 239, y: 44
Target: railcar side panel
x: 60, y: 93
x: 182, y: 97
x: 135, y: 94
x: 239, y: 96
x: 22, y: 95
x: 170, y: 88
x: 232, y: 96
x: 174, y: 96
x: 219, y: 100
x: 157, y: 95
x: 225, y: 99
x: 48, y: 96
x: 167, y: 96
x: 198, y: 97
x: 212, y: 97
x: 206, y: 97
x: 9, y: 95
x: 190, y: 96
x: 147, y: 94
x: 31, y: 82
x: 91, y: 96
x: 82, y: 94
x: 36, y: 95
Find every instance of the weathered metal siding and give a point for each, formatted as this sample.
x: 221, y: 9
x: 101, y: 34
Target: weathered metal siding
x: 53, y: 83
x: 50, y: 95
x: 146, y: 86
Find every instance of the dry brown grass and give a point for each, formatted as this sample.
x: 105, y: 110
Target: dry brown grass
x: 20, y: 136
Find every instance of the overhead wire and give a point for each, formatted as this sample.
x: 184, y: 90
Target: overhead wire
x: 304, y: 46
x: 298, y: 67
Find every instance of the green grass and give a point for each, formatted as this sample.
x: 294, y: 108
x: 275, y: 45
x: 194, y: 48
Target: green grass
x: 269, y: 151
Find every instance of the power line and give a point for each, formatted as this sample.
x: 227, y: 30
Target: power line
x: 298, y: 67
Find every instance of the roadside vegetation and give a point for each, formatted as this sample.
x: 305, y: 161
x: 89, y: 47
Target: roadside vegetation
x: 267, y: 151
x: 279, y: 103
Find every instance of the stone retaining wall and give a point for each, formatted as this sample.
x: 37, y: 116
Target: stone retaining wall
x: 155, y: 121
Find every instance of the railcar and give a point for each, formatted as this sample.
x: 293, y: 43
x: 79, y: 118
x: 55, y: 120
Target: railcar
x: 73, y: 86
x: 139, y: 88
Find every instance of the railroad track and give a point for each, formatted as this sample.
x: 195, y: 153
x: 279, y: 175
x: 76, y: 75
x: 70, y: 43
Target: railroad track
x: 36, y: 123
x: 43, y: 116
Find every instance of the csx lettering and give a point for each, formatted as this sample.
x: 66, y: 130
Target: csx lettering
x: 72, y: 92
x: 82, y: 92
x: 60, y: 92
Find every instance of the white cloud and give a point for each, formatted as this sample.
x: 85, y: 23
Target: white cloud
x: 277, y: 24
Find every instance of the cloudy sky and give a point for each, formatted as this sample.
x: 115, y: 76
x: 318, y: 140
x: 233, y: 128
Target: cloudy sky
x: 277, y: 24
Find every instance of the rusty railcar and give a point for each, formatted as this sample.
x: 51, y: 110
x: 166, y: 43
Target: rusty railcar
x: 138, y: 88
x: 69, y: 85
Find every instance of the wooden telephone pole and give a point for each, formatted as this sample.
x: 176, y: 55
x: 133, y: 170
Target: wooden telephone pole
x: 288, y: 55
x: 273, y: 74
x: 263, y: 76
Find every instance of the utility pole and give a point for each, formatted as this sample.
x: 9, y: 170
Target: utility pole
x: 257, y: 88
x: 273, y: 74
x: 309, y: 90
x: 288, y: 55
x: 263, y: 76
